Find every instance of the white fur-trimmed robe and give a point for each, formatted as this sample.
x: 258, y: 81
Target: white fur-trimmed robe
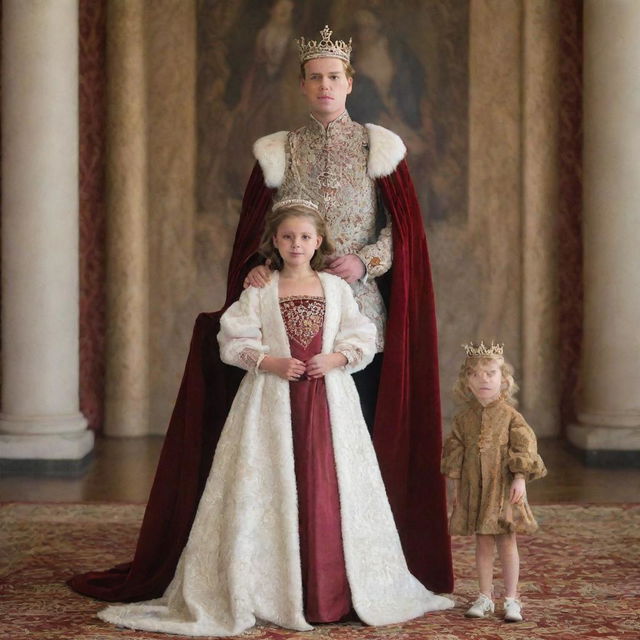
x: 242, y: 560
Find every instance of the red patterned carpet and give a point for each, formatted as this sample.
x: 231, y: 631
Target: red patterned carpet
x: 580, y: 578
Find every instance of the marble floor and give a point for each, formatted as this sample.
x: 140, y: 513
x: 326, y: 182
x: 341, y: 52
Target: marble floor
x: 122, y: 471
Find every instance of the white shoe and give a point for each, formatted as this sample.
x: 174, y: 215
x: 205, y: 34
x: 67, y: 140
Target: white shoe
x: 480, y: 607
x: 512, y: 610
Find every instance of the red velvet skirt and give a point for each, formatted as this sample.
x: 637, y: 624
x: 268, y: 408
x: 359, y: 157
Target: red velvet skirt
x: 327, y: 597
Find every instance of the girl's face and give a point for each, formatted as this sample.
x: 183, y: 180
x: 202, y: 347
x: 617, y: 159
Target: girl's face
x: 485, y: 381
x: 297, y: 240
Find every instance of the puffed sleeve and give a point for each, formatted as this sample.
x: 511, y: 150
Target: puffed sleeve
x: 522, y: 456
x: 453, y: 452
x: 356, y: 337
x: 240, y: 336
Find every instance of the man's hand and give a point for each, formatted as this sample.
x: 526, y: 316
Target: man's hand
x: 258, y: 276
x: 322, y: 363
x: 286, y: 368
x: 518, y: 490
x: 349, y: 268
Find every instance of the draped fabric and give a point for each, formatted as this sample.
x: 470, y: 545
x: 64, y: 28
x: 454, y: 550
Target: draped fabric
x: 407, y: 431
x: 206, y: 392
x: 327, y: 597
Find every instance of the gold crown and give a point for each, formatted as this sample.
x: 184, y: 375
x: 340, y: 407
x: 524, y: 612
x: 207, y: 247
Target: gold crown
x: 294, y: 202
x: 482, y: 351
x: 326, y: 48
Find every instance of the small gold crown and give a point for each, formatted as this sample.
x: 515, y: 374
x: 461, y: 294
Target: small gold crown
x: 326, y: 48
x: 482, y: 351
x: 294, y: 202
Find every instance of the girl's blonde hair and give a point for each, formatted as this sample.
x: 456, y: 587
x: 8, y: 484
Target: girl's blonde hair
x: 276, y: 218
x: 509, y: 388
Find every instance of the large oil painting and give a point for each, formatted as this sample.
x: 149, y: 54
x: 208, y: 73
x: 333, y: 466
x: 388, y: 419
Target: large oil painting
x: 411, y: 62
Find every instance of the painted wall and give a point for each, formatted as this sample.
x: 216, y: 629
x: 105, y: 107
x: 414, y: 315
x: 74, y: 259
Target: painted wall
x: 473, y: 88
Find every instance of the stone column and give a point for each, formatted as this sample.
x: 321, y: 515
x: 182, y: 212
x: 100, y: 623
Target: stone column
x: 608, y: 429
x: 41, y: 426
x: 127, y: 367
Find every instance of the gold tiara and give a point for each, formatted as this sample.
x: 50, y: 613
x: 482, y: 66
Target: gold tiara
x: 482, y: 351
x: 294, y: 202
x: 326, y: 48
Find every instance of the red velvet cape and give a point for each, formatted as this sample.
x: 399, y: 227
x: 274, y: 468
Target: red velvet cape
x: 407, y: 432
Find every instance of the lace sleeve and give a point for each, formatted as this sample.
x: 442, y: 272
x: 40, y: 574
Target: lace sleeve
x: 252, y: 358
x: 352, y: 354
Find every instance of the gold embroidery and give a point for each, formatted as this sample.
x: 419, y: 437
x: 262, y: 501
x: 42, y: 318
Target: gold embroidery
x: 329, y: 166
x: 303, y: 317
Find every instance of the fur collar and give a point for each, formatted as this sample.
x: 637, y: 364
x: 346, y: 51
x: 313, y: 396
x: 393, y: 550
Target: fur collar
x: 386, y: 150
x: 269, y: 152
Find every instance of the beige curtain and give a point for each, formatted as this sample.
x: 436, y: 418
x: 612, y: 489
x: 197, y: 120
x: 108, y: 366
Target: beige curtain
x: 150, y: 187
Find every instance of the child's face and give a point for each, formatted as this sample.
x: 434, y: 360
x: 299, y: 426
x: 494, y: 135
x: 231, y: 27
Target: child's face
x: 297, y: 240
x: 485, y: 380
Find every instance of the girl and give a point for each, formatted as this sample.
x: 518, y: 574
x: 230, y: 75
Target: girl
x: 294, y: 525
x: 489, y: 456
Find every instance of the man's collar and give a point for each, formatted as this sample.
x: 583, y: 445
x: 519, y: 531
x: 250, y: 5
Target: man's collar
x: 317, y: 126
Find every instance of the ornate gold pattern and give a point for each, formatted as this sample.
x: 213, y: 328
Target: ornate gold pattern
x: 483, y: 351
x: 326, y: 48
x: 329, y: 166
x: 303, y: 317
x: 559, y: 587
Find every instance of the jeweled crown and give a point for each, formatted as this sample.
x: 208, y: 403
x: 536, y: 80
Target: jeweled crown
x: 325, y: 48
x: 482, y: 351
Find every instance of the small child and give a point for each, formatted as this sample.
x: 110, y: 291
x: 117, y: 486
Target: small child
x: 489, y: 456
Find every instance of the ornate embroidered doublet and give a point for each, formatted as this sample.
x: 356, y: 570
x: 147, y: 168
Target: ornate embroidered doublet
x: 329, y: 167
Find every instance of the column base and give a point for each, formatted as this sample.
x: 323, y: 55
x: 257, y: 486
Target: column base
x: 42, y: 424
x: 606, y: 447
x: 56, y: 454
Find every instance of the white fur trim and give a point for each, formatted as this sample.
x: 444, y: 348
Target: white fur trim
x: 269, y: 152
x: 242, y: 559
x: 386, y: 150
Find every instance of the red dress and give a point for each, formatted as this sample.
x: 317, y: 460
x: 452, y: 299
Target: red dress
x: 327, y: 597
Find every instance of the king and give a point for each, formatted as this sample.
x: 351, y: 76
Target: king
x: 358, y: 176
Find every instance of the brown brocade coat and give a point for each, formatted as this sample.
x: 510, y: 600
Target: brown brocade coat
x: 487, y: 446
